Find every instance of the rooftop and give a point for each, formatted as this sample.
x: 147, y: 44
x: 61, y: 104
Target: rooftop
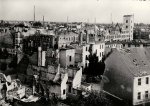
x: 127, y: 15
x: 133, y: 62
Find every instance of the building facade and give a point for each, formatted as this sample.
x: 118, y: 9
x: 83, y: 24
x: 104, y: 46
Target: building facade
x: 128, y: 21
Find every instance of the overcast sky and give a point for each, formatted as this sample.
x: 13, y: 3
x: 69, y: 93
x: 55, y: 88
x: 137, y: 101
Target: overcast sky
x: 76, y: 10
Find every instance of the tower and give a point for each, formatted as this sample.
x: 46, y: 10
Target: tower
x: 128, y: 21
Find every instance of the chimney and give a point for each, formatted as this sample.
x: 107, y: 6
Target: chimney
x: 58, y: 69
x: 57, y: 55
x: 43, y: 58
x: 39, y: 56
x: 87, y: 37
x: 81, y: 38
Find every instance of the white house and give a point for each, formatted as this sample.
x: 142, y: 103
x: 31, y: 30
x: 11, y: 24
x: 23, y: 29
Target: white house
x: 83, y: 52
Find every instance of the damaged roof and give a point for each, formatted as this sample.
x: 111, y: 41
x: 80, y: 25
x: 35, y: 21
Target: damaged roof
x: 134, y: 62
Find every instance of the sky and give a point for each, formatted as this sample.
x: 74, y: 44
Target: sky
x: 75, y: 10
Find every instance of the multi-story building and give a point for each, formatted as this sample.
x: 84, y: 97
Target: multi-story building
x: 33, y: 42
x: 83, y: 52
x: 67, y: 57
x: 128, y: 21
x: 117, y: 45
x: 122, y: 32
x: 18, y: 39
x: 128, y: 75
x: 66, y: 38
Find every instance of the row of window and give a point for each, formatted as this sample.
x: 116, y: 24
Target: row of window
x: 128, y: 27
x: 128, y: 21
x: 69, y: 38
x: 146, y: 81
x: 118, y: 36
x: 101, y: 47
x: 114, y: 45
x: 146, y: 96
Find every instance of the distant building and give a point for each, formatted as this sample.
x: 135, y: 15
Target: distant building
x: 18, y: 39
x: 128, y: 75
x: 120, y: 32
x: 117, y: 45
x: 66, y: 38
x: 32, y: 43
x: 128, y: 21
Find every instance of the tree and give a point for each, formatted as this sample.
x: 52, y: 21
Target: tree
x: 93, y: 99
x: 13, y: 63
x: 1, y: 53
x: 3, y: 66
x: 95, y: 68
x: 5, y: 53
x: 56, y: 46
x: 37, y: 24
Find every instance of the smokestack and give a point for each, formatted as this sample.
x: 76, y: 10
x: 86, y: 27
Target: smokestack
x: 39, y: 56
x: 111, y: 19
x: 43, y: 20
x: 34, y: 13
